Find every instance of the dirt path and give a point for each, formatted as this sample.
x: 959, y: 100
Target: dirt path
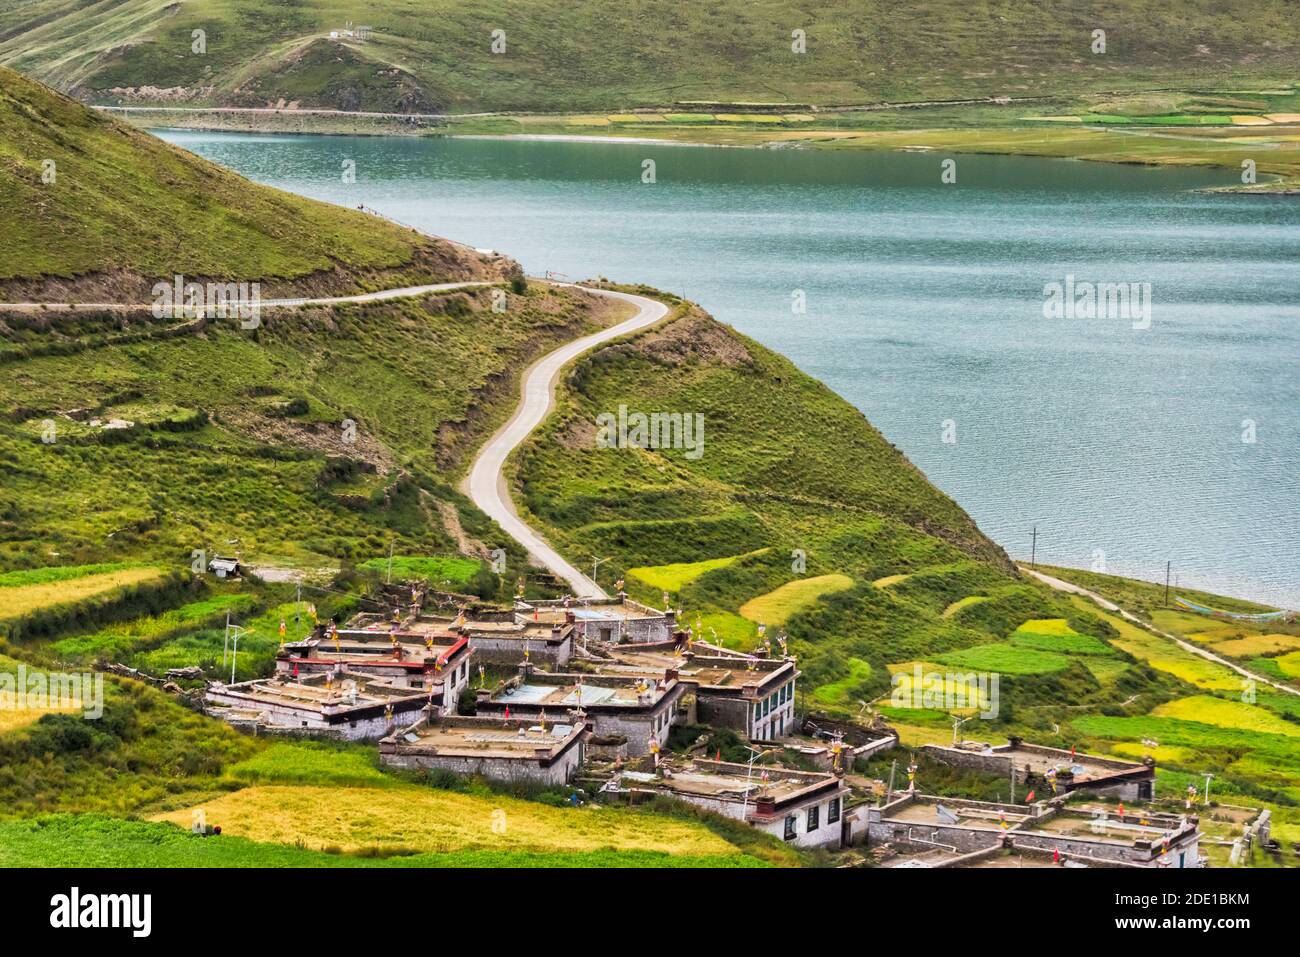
x: 1110, y: 606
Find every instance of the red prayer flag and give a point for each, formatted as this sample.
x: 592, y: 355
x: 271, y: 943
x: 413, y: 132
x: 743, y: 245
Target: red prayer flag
x: 1029, y: 797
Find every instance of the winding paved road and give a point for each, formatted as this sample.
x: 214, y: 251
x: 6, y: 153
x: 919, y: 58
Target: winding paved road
x: 486, y: 485
x: 261, y: 303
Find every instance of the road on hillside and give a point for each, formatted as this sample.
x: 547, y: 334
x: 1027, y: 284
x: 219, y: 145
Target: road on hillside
x: 260, y: 303
x: 486, y: 485
x: 1110, y: 606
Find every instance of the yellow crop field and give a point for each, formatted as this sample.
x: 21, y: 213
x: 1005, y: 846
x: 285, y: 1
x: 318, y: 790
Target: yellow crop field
x: 1163, y: 753
x: 1256, y: 645
x: 1226, y: 714
x: 676, y: 576
x: 890, y: 580
x: 961, y: 603
x: 778, y: 605
x: 425, y: 819
x: 1165, y: 655
x: 20, y: 600
x: 1290, y: 664
x: 11, y: 719
x: 1047, y: 626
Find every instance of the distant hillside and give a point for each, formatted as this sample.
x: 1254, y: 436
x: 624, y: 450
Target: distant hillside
x: 96, y: 211
x: 565, y: 56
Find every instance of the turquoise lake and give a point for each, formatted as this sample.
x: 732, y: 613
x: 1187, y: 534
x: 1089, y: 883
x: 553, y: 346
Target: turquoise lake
x: 1172, y: 435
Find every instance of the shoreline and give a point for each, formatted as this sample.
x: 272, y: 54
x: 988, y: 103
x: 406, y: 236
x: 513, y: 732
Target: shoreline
x: 1094, y: 144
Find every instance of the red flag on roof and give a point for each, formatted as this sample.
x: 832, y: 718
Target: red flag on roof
x: 507, y: 712
x: 1029, y: 798
x: 1056, y: 855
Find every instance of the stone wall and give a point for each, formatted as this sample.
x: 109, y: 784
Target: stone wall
x: 559, y: 772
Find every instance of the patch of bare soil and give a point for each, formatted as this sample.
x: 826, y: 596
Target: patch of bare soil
x: 694, y: 339
x: 326, y: 439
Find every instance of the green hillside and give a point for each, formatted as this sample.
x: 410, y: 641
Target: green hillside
x: 797, y: 515
x: 95, y: 210
x: 438, y: 55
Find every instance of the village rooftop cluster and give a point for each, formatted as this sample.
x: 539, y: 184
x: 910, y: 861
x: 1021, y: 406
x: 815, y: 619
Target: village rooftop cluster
x: 585, y: 694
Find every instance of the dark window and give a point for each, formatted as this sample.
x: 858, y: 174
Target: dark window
x: 814, y: 818
x: 833, y: 811
x: 790, y: 827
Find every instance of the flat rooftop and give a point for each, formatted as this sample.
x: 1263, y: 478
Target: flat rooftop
x: 724, y: 780
x: 314, y: 693
x: 1128, y: 831
x: 377, y: 647
x: 551, y: 612
x: 927, y: 813
x: 1084, y: 767
x: 704, y: 670
x: 565, y: 691
x: 484, y: 738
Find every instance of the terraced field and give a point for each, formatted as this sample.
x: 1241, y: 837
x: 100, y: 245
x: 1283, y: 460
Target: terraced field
x: 22, y: 593
x: 778, y: 605
x: 674, y: 577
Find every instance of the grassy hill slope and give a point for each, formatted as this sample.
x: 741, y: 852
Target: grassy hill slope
x: 439, y: 55
x: 95, y: 210
x: 797, y: 515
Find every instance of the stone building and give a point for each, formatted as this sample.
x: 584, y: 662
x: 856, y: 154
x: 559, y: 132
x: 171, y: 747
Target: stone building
x: 615, y: 621
x: 1054, y: 771
x: 750, y: 694
x: 804, y: 808
x: 434, y: 661
x: 503, y: 750
x: 628, y: 714
x: 346, y: 705
x: 1092, y: 836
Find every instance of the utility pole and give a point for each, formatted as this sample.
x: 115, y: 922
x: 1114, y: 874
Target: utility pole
x: 390, y: 561
x: 225, y: 644
x: 890, y: 793
x: 596, y: 563
x: 1207, y: 788
x: 236, y: 634
x: 297, y: 614
x: 749, y: 774
x: 1168, y: 566
x: 1033, y: 548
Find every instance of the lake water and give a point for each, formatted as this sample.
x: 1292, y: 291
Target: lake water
x: 1125, y: 446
